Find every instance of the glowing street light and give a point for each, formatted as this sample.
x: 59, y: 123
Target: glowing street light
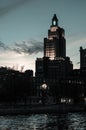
x: 44, y: 86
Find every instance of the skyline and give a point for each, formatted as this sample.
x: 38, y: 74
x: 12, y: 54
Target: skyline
x: 25, y: 23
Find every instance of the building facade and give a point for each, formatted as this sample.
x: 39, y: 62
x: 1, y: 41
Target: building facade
x: 54, y: 64
x: 82, y: 58
x: 53, y: 69
x: 55, y: 44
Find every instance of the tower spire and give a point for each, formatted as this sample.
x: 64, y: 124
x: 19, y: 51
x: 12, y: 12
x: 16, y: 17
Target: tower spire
x: 54, y: 20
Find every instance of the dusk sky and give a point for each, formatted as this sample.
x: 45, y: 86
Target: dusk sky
x: 25, y: 23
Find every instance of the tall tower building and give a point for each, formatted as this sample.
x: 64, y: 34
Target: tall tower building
x: 55, y: 44
x: 54, y: 64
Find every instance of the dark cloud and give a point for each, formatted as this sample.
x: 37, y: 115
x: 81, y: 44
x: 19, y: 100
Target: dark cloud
x: 3, y: 46
x: 29, y: 47
x: 10, y: 5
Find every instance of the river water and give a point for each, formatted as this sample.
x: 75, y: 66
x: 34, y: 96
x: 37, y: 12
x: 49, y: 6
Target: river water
x: 67, y: 121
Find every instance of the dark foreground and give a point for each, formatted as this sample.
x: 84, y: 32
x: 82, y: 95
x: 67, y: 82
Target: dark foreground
x: 38, y: 109
x: 54, y: 121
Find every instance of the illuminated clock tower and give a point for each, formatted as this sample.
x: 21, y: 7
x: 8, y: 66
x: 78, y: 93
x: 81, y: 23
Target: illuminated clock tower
x: 55, y: 44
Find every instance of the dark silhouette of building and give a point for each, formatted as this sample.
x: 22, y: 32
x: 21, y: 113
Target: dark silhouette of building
x: 82, y: 58
x: 53, y: 69
x: 55, y: 66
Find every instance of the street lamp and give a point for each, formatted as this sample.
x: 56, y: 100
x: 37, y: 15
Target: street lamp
x: 44, y: 86
x: 43, y: 92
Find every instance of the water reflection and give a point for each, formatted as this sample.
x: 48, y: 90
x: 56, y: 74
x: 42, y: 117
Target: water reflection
x: 67, y: 121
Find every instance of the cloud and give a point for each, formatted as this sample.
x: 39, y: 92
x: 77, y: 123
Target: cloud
x: 30, y: 47
x: 9, y: 5
x: 3, y: 46
x: 26, y: 47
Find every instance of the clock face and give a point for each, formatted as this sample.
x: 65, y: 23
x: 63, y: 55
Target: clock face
x: 54, y: 22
